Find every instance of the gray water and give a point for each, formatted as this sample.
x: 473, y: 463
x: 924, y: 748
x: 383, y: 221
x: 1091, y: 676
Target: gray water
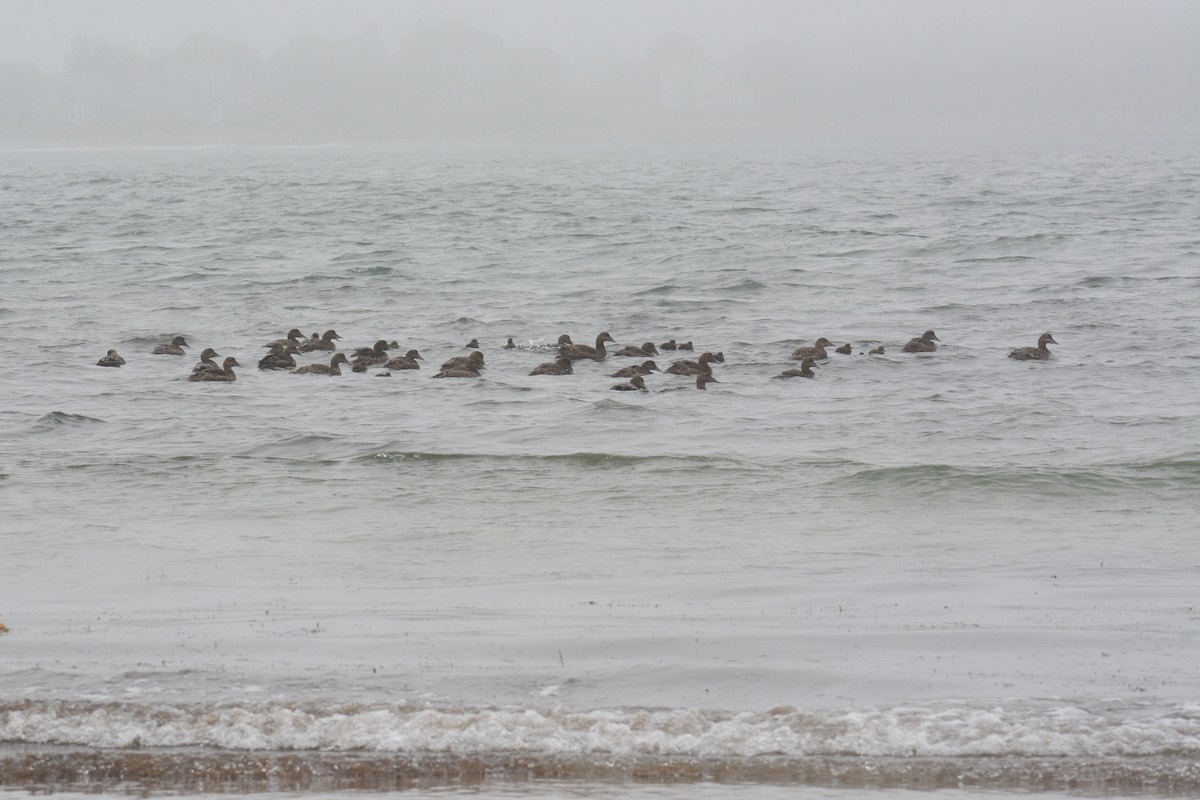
x: 915, y: 571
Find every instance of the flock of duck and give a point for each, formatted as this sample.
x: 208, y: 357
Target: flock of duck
x: 281, y: 355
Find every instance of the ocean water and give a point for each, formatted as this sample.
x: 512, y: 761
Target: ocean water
x: 948, y: 572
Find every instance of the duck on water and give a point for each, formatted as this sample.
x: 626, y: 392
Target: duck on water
x: 922, y: 344
x: 1039, y: 353
x: 111, y: 359
x: 174, y: 348
x: 578, y: 352
x: 645, y: 368
x: 223, y: 375
x: 206, y: 362
x: 817, y: 351
x: 636, y: 384
x: 332, y: 368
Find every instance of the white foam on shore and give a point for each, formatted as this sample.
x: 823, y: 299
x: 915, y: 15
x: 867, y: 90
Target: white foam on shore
x: 1022, y: 730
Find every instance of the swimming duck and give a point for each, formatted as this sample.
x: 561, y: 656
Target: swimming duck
x: 878, y: 351
x: 805, y: 371
x: 845, y: 349
x: 370, y: 356
x: 688, y: 367
x: 636, y: 384
x: 332, y: 368
x: 111, y: 359
x: 280, y: 357
x: 669, y: 345
x: 645, y: 368
x: 817, y: 351
x: 294, y: 337
x: 407, y: 361
x: 702, y: 381
x: 224, y: 374
x: 562, y: 366
x: 647, y: 349
x: 175, y: 348
x: 565, y: 339
x: 922, y: 344
x: 510, y: 344
x: 457, y: 372
x: 206, y: 362
x: 473, y: 344
x: 324, y: 342
x: 473, y: 362
x: 1039, y: 353
x: 381, y: 346
x: 685, y: 346
x: 578, y: 352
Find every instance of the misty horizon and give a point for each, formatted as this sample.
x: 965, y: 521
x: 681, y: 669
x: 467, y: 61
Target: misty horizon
x: 382, y: 71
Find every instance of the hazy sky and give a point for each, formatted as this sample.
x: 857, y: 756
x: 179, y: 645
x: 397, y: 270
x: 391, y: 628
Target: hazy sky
x: 41, y: 30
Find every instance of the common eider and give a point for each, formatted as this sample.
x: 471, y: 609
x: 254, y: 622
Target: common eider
x: 645, y: 368
x: 560, y: 367
x: 578, y: 352
x: 175, y: 348
x: 294, y: 337
x: 225, y: 374
x: 280, y: 357
x: 473, y: 344
x: 473, y: 362
x: 111, y: 359
x: 702, y: 381
x: 510, y: 344
x: 817, y: 351
x: 325, y: 342
x: 878, y: 351
x: 636, y: 384
x: 685, y: 346
x: 845, y: 349
x: 380, y: 347
x: 1039, y: 353
x: 669, y: 345
x: 805, y: 371
x: 633, y: 351
x: 458, y: 372
x: 332, y: 368
x: 703, y: 365
x: 370, y: 356
x: 922, y: 344
x: 407, y: 361
x: 206, y: 362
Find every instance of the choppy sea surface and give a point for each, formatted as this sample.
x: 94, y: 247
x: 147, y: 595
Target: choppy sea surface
x: 949, y: 571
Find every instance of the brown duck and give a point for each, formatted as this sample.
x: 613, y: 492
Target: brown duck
x: 111, y: 359
x: 332, y: 368
x: 922, y: 344
x: 688, y: 367
x: 325, y: 342
x: 1039, y: 353
x: 280, y: 357
x: 560, y: 367
x: 407, y: 361
x: 702, y: 381
x: 633, y: 351
x: 578, y: 352
x: 206, y: 362
x: 817, y: 351
x: 805, y: 371
x: 473, y: 362
x: 175, y: 348
x: 225, y: 374
x: 645, y: 368
x: 636, y: 384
